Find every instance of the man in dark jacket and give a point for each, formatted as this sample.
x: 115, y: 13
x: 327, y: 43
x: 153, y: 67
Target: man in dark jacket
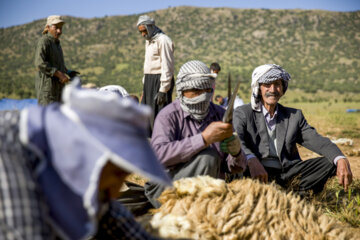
x: 269, y: 133
x: 49, y: 61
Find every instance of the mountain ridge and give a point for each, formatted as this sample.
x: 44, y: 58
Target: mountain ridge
x: 320, y: 49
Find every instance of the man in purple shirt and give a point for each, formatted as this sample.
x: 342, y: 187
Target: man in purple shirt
x: 269, y: 133
x: 188, y: 136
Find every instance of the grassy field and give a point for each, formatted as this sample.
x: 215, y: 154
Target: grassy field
x: 327, y: 113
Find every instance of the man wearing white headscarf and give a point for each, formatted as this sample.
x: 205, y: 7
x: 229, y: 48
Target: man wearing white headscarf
x: 158, y: 66
x: 62, y: 166
x: 189, y: 137
x: 269, y: 133
x: 115, y: 89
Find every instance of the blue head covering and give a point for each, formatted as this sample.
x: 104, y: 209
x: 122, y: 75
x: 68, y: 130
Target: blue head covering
x: 75, y: 140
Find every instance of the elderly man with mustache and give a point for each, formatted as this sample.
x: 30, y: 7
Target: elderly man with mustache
x: 269, y: 133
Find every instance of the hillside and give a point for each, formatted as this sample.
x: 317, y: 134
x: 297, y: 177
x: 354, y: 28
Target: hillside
x: 320, y: 49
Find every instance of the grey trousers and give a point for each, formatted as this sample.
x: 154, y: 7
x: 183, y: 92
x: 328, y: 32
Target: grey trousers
x: 206, y: 162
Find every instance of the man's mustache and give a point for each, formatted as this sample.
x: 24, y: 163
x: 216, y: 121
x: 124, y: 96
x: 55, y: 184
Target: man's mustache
x: 270, y: 94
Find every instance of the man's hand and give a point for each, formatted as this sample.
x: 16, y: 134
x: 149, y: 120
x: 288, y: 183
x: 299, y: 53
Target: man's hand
x: 343, y: 172
x: 231, y: 145
x: 62, y: 77
x: 72, y: 73
x: 216, y: 132
x: 257, y: 170
x: 160, y: 98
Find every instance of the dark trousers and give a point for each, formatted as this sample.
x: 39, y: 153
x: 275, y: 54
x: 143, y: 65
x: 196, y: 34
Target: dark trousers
x: 207, y: 162
x: 151, y: 88
x: 302, y: 176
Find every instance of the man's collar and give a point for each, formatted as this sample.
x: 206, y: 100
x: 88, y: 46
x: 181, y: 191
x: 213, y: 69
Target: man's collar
x: 266, y: 112
x: 186, y: 114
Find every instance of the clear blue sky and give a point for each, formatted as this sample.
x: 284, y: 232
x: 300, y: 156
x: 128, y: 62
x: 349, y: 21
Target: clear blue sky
x: 16, y: 12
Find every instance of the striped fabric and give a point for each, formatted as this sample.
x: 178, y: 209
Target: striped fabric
x: 119, y: 223
x: 21, y: 207
x: 266, y: 73
x: 23, y: 214
x: 274, y: 73
x: 194, y: 75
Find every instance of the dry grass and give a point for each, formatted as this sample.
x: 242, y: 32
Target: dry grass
x: 343, y: 206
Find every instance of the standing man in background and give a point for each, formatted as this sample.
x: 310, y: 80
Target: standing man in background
x: 214, y: 69
x: 158, y: 66
x: 51, y: 74
x: 223, y: 101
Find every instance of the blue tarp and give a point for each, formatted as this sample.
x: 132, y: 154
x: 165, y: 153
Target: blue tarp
x: 16, y: 104
x: 352, y: 110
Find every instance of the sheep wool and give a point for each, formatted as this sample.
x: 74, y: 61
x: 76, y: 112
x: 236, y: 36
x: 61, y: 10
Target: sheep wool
x: 207, y: 208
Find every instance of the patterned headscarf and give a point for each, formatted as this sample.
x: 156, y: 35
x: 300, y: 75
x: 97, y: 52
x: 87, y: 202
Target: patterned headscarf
x: 266, y: 73
x: 195, y: 75
x: 150, y: 26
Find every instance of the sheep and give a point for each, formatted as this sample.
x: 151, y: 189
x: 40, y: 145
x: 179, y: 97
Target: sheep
x: 208, y: 208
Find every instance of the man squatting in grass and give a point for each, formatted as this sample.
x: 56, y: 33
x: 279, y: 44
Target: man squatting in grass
x: 158, y: 67
x: 61, y: 167
x: 51, y: 74
x: 189, y: 137
x: 269, y: 133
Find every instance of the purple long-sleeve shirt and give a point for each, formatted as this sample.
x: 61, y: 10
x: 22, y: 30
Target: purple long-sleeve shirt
x: 177, y: 137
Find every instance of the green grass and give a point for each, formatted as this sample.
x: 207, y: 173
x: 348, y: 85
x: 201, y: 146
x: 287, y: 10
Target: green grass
x: 338, y: 204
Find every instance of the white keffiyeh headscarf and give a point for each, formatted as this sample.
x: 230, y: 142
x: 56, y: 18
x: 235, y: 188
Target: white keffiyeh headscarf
x: 195, y: 75
x: 150, y: 26
x: 266, y: 73
x: 115, y: 89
